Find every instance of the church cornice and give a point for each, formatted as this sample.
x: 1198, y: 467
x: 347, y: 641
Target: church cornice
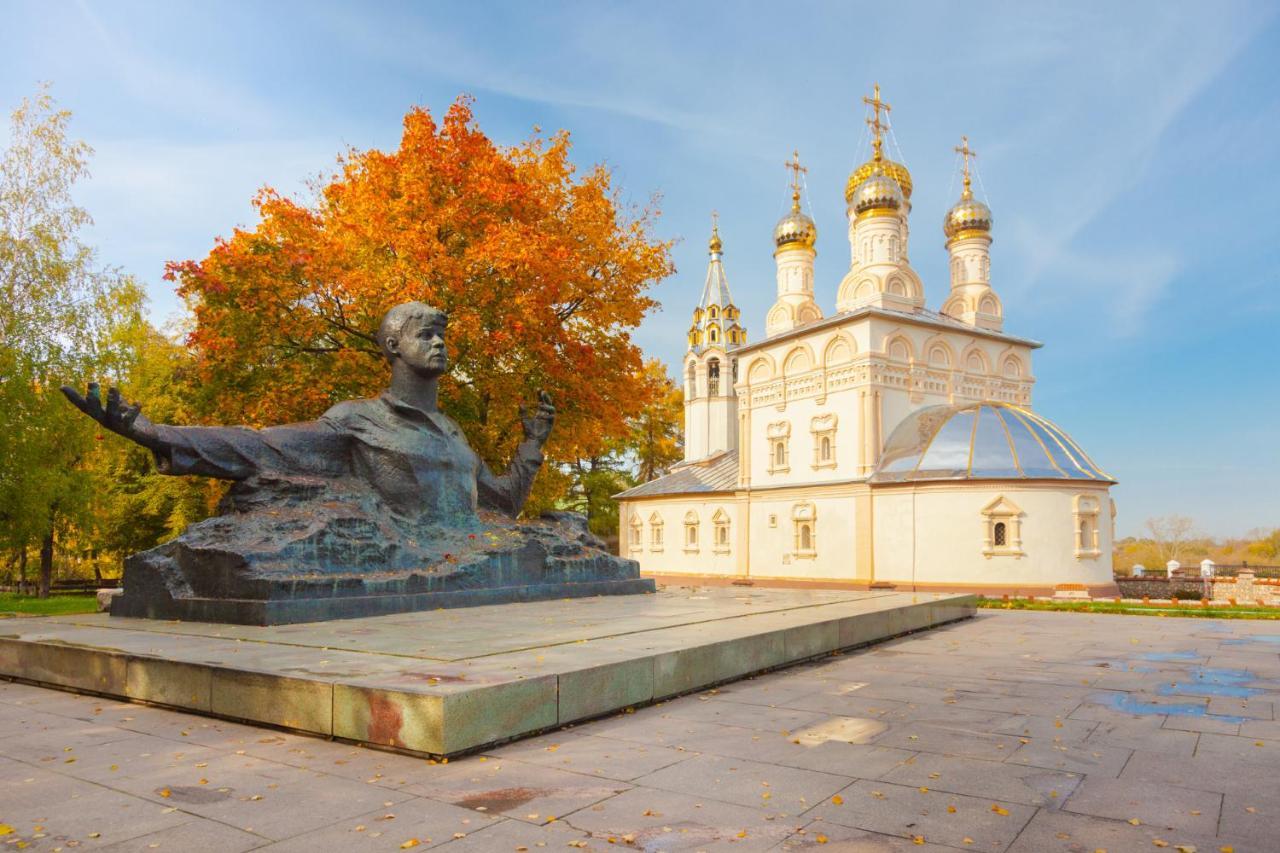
x: 919, y: 319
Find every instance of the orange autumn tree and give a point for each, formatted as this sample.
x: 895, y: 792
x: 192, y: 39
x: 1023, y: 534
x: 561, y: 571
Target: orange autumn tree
x: 543, y: 271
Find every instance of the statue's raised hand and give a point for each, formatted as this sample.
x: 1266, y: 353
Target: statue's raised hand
x: 116, y: 415
x: 538, y: 425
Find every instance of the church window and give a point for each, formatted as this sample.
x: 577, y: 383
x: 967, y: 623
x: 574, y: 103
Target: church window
x: 721, y: 523
x: 655, y: 532
x: 713, y: 313
x: 713, y: 377
x: 691, y: 531
x: 1012, y: 368
x: 637, y: 533
x: 714, y: 336
x: 1002, y: 529
x: 823, y: 428
x: 733, y: 368
x: 804, y: 517
x: 1088, y: 543
x: 779, y: 435
x: 691, y: 380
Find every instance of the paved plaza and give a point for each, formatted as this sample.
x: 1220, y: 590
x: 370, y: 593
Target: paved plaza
x: 1010, y: 731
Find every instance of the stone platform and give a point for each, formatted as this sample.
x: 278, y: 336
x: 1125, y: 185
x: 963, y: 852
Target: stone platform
x: 446, y: 682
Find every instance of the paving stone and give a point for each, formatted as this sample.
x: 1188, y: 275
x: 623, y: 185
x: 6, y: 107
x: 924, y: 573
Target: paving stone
x: 826, y: 836
x: 428, y: 822
x: 926, y: 738
x: 1089, y: 758
x: 1166, y: 805
x: 935, y: 816
x: 1147, y: 734
x: 1252, y: 816
x: 510, y: 835
x: 1064, y: 832
x: 996, y: 780
x: 593, y: 756
x: 1242, y: 749
x: 198, y: 834
x: 663, y: 820
x: 771, y: 787
x: 515, y: 789
x: 1048, y: 728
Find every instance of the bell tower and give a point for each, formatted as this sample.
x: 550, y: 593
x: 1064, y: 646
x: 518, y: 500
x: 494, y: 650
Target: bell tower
x: 710, y: 368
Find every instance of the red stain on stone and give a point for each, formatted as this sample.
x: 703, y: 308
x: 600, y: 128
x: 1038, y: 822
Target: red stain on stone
x: 385, y: 720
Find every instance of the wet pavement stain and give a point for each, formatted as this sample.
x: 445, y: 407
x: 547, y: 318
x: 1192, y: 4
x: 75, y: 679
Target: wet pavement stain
x: 197, y: 795
x: 501, y: 799
x: 1207, y: 681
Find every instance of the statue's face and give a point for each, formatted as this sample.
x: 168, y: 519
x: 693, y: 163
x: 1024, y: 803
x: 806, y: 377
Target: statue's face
x: 421, y: 345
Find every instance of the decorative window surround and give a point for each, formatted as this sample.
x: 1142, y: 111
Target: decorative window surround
x: 691, y: 532
x: 805, y: 520
x: 1002, y: 523
x: 637, y: 533
x: 823, y: 428
x: 779, y: 435
x: 1086, y: 511
x: 655, y: 533
x: 722, y: 541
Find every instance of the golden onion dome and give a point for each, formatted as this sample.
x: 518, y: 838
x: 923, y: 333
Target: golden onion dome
x: 879, y: 166
x: 968, y: 217
x: 795, y: 228
x: 878, y: 192
x: 714, y: 244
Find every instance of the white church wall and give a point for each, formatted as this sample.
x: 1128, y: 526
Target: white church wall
x: 776, y: 549
x: 676, y: 554
x: 940, y: 534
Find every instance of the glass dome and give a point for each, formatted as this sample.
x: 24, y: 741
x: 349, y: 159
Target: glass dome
x: 982, y: 441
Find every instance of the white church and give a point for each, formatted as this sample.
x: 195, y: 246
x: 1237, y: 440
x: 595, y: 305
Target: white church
x: 882, y: 443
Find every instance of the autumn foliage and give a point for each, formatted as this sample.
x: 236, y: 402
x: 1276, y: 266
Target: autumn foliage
x: 543, y: 271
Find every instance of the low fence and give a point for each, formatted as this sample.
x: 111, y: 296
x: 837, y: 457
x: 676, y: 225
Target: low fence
x: 1243, y: 588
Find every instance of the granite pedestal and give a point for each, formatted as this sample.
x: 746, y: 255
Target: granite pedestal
x: 446, y: 682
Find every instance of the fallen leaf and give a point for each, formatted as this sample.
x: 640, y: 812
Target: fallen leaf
x: 165, y: 792
x: 412, y: 842
x: 1159, y: 842
x: 821, y: 839
x: 1135, y: 821
x: 923, y: 789
x: 951, y: 809
x: 917, y: 839
x: 5, y: 829
x: 838, y: 800
x: 1000, y: 810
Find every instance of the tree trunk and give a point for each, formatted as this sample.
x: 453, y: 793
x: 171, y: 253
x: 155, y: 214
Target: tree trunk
x: 22, y: 570
x: 46, y: 564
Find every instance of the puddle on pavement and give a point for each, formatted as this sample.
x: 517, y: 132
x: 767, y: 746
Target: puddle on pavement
x: 1260, y: 638
x: 1207, y: 681
x: 1127, y: 703
x: 843, y: 729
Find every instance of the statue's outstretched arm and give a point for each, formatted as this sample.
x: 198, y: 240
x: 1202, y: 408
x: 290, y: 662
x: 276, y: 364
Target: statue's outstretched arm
x: 507, y: 493
x: 228, y: 453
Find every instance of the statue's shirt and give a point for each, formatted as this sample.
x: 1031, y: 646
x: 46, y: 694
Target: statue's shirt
x: 418, y: 463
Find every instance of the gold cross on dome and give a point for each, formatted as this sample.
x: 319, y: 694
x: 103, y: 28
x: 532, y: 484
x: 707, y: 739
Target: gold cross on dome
x: 877, y: 127
x: 965, y: 151
x: 715, y: 222
x: 796, y: 171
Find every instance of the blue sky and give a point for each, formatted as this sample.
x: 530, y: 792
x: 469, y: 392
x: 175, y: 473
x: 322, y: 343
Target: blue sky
x: 1130, y: 152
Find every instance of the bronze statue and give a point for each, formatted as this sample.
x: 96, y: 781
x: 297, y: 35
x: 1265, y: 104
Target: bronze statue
x: 378, y: 506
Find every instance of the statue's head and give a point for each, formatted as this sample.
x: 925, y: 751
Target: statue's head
x: 413, y: 333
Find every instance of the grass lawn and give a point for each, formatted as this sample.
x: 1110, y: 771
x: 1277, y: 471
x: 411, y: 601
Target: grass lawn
x: 1191, y: 609
x: 11, y: 603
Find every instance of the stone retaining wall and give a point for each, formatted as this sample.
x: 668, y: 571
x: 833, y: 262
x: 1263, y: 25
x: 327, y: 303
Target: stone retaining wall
x: 1244, y: 589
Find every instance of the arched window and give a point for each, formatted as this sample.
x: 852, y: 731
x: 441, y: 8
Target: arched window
x: 721, y: 522
x: 714, y: 336
x: 1088, y: 540
x: 804, y: 517
x: 1002, y: 529
x: 779, y: 433
x: 691, y: 531
x: 713, y: 312
x: 655, y: 532
x: 713, y: 377
x: 823, y: 428
x: 637, y: 533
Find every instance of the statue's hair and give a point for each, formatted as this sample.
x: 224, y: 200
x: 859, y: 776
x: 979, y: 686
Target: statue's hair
x: 393, y: 322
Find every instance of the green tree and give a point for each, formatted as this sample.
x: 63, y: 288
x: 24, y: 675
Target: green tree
x: 62, y: 317
x: 656, y: 433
